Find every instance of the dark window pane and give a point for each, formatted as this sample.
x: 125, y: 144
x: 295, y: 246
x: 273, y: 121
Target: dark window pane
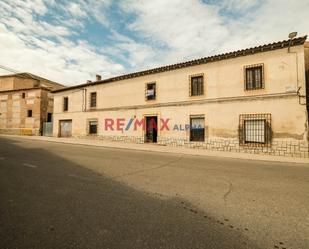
x: 197, y: 86
x: 29, y: 113
x: 49, y: 117
x: 93, y: 125
x: 197, y: 129
x: 93, y: 99
x: 65, y: 103
x: 151, y: 91
x: 254, y: 78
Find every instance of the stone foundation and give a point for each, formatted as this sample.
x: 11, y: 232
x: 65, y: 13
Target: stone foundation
x: 129, y: 139
x: 20, y: 131
x: 289, y: 148
x: 292, y: 148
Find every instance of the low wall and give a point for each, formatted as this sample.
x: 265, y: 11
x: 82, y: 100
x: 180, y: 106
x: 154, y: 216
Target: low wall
x: 288, y: 148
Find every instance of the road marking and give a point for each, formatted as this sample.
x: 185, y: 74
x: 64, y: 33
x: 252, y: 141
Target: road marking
x: 29, y: 165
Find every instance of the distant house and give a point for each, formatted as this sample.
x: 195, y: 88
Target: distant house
x: 25, y: 103
x: 252, y: 100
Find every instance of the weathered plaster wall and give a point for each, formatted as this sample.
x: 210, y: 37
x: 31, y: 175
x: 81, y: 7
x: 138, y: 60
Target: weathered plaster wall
x: 224, y: 100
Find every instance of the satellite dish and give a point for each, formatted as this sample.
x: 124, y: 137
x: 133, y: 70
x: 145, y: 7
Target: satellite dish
x: 292, y: 35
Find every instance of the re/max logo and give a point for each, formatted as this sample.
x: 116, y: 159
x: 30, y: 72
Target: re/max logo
x: 120, y: 124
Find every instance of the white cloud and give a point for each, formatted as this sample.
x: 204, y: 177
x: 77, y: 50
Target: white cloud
x: 43, y: 48
x: 192, y: 28
x: 76, y: 10
x: 163, y: 32
x: 187, y: 29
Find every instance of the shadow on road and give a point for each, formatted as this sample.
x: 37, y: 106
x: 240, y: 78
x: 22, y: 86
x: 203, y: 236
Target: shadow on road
x: 49, y: 202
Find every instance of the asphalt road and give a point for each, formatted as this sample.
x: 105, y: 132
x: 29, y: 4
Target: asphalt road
x: 52, y: 196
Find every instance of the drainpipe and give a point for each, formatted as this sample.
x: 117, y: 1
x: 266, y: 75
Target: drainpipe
x: 297, y: 76
x: 84, y: 104
x: 84, y: 101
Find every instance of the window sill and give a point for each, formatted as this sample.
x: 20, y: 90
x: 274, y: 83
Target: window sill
x: 198, y: 96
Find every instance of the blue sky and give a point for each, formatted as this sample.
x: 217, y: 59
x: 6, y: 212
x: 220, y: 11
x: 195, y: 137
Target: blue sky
x: 72, y: 41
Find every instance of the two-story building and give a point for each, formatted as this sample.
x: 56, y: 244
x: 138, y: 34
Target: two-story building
x: 252, y: 100
x: 25, y: 103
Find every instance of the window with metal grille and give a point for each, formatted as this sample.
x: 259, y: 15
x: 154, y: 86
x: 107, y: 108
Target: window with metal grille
x: 197, y: 128
x: 197, y: 85
x: 93, y: 99
x: 93, y: 127
x: 254, y: 77
x: 255, y: 129
x: 150, y: 91
x: 65, y: 103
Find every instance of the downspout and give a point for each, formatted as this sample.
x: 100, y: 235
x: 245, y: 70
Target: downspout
x: 84, y: 104
x: 297, y: 76
x: 300, y: 96
x: 84, y: 100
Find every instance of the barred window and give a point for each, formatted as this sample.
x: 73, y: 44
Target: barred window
x: 254, y: 77
x: 93, y: 99
x: 255, y: 129
x: 93, y: 127
x: 150, y: 91
x: 197, y: 128
x: 197, y: 85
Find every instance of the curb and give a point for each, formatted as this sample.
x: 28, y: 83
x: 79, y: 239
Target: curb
x: 167, y: 149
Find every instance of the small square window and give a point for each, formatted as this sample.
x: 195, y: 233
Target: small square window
x: 197, y: 128
x: 150, y: 91
x: 93, y: 99
x: 254, y: 77
x: 29, y: 113
x: 93, y: 127
x: 197, y: 85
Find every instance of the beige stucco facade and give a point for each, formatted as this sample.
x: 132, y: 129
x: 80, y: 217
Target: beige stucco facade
x: 224, y: 100
x: 21, y: 94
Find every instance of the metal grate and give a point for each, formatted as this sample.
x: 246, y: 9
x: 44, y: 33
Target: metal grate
x: 254, y: 77
x: 93, y: 99
x: 255, y: 129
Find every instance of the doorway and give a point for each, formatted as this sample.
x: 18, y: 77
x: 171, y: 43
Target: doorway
x: 151, y: 135
x: 65, y: 128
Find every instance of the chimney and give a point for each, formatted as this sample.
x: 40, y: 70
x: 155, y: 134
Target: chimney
x: 98, y: 77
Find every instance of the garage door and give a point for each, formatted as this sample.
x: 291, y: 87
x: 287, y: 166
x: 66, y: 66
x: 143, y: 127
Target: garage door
x: 65, y: 128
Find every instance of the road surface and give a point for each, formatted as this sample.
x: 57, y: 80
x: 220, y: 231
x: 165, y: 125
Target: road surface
x: 71, y: 196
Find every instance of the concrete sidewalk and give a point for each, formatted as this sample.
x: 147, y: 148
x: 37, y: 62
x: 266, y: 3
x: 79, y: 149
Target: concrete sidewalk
x: 162, y: 148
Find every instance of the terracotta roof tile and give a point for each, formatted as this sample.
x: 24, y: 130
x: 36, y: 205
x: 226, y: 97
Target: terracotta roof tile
x: 262, y: 48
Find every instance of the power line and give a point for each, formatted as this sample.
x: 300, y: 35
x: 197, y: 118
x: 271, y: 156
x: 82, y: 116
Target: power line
x: 9, y: 69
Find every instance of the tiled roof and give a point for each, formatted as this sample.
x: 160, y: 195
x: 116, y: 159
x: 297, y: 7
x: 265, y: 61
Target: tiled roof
x: 244, y: 52
x: 50, y: 84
